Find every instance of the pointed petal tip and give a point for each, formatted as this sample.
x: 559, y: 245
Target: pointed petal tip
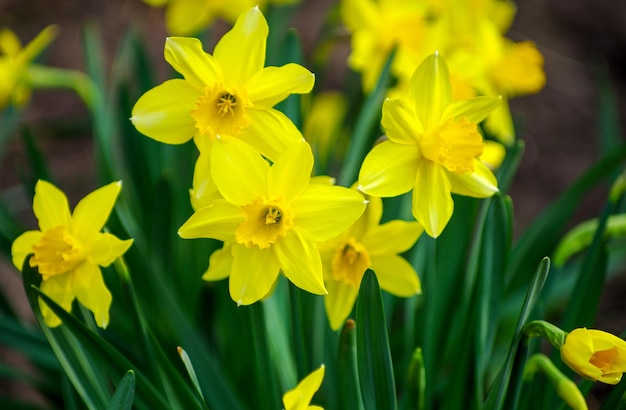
x: 239, y: 302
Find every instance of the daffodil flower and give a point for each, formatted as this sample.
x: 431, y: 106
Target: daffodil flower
x: 367, y: 244
x: 433, y: 148
x: 300, y: 397
x: 270, y: 218
x: 595, y: 355
x: 69, y: 249
x: 14, y: 64
x: 227, y: 93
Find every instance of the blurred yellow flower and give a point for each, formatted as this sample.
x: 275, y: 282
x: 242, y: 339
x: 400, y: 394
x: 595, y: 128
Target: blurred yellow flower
x: 227, y: 93
x: 433, y: 148
x: 69, y: 249
x: 300, y: 397
x: 14, y: 63
x: 493, y: 154
x: 270, y: 219
x: 595, y: 355
x: 367, y: 244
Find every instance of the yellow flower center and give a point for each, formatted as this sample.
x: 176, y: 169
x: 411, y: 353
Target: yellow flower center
x: 220, y: 112
x: 265, y: 222
x: 454, y: 145
x: 604, y: 359
x: 57, y: 252
x: 350, y: 262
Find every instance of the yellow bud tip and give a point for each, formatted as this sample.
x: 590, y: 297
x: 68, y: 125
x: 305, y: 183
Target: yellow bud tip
x: 179, y: 350
x: 239, y: 302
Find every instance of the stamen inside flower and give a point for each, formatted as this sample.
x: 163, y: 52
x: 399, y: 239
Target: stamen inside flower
x: 57, y: 252
x: 220, y: 112
x: 454, y: 145
x: 604, y: 359
x: 350, y: 262
x: 264, y: 223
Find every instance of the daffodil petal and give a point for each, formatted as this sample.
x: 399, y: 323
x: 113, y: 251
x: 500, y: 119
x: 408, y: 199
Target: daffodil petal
x: 326, y: 211
x: 300, y: 261
x: 50, y: 206
x: 475, y: 109
x: 239, y: 172
x: 500, y: 124
x: 91, y: 292
x: 185, y: 55
x: 370, y: 218
x: 204, y: 191
x: 430, y: 89
x: 339, y: 302
x: 493, y: 154
x: 290, y: 175
x: 400, y: 122
x: 58, y: 288
x: 270, y: 132
x: 105, y: 248
x: 220, y: 264
x: 164, y: 112
x: 389, y: 169
x: 479, y: 184
x: 39, y: 43
x: 300, y: 397
x: 253, y: 273
x: 218, y: 221
x: 182, y: 19
x: 396, y: 275
x: 576, y: 352
x: 273, y: 84
x: 92, y: 212
x: 432, y: 202
x: 23, y: 246
x: 392, y: 237
x: 241, y: 51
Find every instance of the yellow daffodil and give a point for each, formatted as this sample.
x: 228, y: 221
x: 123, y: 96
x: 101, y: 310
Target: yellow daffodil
x: 227, y: 93
x: 14, y: 63
x: 493, y: 154
x: 300, y: 397
x: 595, y: 355
x: 433, y: 148
x: 368, y: 245
x: 187, y: 17
x: 69, y: 249
x: 270, y: 219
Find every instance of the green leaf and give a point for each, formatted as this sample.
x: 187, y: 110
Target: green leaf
x: 124, y: 394
x: 347, y: 368
x: 374, y: 357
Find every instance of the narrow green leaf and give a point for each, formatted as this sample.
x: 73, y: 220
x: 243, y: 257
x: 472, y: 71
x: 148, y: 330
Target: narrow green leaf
x: 373, y: 355
x: 189, y: 366
x: 347, y: 368
x: 507, y: 170
x: 124, y: 394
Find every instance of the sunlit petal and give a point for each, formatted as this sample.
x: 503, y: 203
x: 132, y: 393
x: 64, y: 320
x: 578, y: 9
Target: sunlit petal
x: 430, y: 89
x: 389, y: 169
x: 23, y: 246
x: 241, y: 51
x: 185, y: 55
x: 479, y: 184
x: 474, y: 109
x: 270, y: 132
x: 326, y: 211
x: 92, y: 212
x: 399, y: 121
x: 253, y: 273
x: 300, y: 397
x: 218, y: 221
x: 164, y: 112
x: 432, y: 202
x: 204, y: 191
x: 58, y: 288
x: 500, y: 123
x: 273, y: 84
x: 50, y: 206
x: 396, y: 275
x: 339, y: 302
x: 91, y: 292
x: 104, y: 248
x: 392, y: 237
x: 220, y: 264
x: 289, y: 176
x: 300, y: 261
x: 183, y: 20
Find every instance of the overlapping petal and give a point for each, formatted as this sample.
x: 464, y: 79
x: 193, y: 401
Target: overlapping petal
x: 396, y: 275
x: 23, y: 246
x: 480, y: 184
x: 273, y: 84
x: 300, y: 261
x: 253, y: 274
x: 389, y: 169
x: 220, y: 264
x: 218, y: 221
x: 392, y: 237
x: 104, y: 248
x: 300, y: 397
x: 325, y: 211
x: 400, y: 123
x: 156, y: 116
x: 339, y: 302
x: 270, y: 132
x: 430, y: 90
x: 289, y: 176
x: 238, y: 171
x: 91, y: 291
x: 50, y: 206
x: 475, y: 109
x: 432, y: 202
x: 184, y: 18
x: 242, y: 49
x: 58, y: 288
x: 204, y: 191
x: 92, y: 212
x: 185, y: 55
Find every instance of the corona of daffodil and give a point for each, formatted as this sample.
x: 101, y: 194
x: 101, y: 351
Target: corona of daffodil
x: 14, y: 64
x: 227, y: 93
x: 270, y: 219
x: 367, y: 244
x: 300, y: 397
x: 69, y: 249
x: 433, y: 148
x: 595, y: 355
